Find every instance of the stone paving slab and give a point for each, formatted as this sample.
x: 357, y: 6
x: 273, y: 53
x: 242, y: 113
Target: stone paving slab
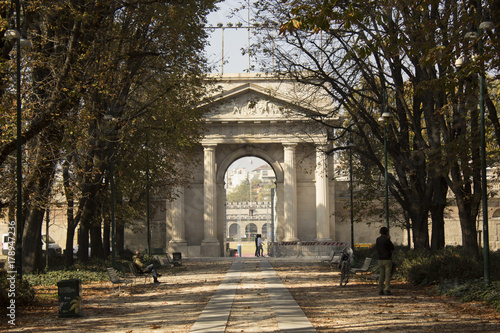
x: 216, y: 313
x: 289, y: 316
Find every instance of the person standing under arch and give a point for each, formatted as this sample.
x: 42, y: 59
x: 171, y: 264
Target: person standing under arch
x: 259, y: 251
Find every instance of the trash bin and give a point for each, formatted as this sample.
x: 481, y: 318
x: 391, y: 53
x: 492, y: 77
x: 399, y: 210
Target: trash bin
x: 70, y: 297
x: 233, y: 252
x: 177, y: 257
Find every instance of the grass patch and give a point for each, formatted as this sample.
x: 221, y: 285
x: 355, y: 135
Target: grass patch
x: 93, y: 270
x: 470, y: 291
x: 52, y: 277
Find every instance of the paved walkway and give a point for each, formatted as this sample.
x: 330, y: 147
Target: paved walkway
x: 266, y: 302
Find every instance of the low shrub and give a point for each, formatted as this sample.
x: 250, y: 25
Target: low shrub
x: 52, y: 277
x: 474, y: 290
x: 426, y: 267
x: 24, y: 293
x: 93, y: 270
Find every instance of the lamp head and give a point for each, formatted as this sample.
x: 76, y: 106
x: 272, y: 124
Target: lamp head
x: 25, y: 43
x: 486, y: 25
x: 11, y: 34
x: 471, y: 35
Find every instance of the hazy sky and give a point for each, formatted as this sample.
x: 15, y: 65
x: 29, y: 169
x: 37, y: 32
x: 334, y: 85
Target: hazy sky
x: 249, y: 163
x: 234, y: 62
x: 234, y: 39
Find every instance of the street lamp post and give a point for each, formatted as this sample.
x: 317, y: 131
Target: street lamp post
x: 19, y: 171
x: 112, y: 120
x: 21, y: 42
x: 484, y: 191
x: 484, y: 194
x: 351, y: 145
x: 148, y: 225
x: 384, y: 118
x: 486, y: 25
x: 113, y: 227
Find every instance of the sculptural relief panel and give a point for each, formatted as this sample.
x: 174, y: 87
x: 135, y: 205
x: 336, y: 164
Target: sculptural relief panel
x: 250, y: 107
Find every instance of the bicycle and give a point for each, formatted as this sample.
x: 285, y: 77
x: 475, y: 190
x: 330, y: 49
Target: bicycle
x: 345, y: 266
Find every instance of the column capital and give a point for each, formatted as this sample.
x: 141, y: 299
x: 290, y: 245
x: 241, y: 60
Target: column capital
x: 322, y: 147
x: 209, y: 146
x: 289, y: 146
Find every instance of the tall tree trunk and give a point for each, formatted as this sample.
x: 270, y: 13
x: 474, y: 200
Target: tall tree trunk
x: 469, y: 231
x: 437, y: 207
x: 418, y: 216
x: 468, y: 208
x: 420, y: 232
x: 408, y: 228
x: 96, y: 250
x: 68, y: 252
x: 83, y: 242
x: 71, y: 223
x: 39, y: 191
x: 120, y: 237
x: 32, y: 243
x: 106, y: 238
x: 87, y: 214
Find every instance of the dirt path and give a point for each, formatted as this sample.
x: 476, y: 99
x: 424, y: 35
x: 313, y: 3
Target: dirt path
x: 175, y: 306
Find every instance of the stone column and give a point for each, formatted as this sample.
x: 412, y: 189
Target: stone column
x: 178, y: 242
x: 210, y: 244
x: 322, y: 199
x: 290, y: 193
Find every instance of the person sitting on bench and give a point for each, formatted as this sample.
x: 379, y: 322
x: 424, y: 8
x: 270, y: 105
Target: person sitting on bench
x: 141, y: 268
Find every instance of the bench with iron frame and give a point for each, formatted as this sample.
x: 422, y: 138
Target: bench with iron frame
x: 115, y: 279
x: 137, y: 274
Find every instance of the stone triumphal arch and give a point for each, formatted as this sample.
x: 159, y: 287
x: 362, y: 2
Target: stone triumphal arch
x: 258, y: 116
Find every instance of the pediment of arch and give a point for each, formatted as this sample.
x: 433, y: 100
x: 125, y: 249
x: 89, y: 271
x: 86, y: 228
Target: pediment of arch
x: 251, y: 102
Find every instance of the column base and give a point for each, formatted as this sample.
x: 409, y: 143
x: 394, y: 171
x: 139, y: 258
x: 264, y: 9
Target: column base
x: 210, y: 248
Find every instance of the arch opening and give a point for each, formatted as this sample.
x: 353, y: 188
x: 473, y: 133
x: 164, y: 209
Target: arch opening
x: 250, y: 187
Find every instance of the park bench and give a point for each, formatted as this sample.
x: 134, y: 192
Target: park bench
x: 165, y: 261
x: 334, y: 259
x: 327, y: 260
x: 137, y: 274
x: 115, y: 279
x: 364, y: 268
